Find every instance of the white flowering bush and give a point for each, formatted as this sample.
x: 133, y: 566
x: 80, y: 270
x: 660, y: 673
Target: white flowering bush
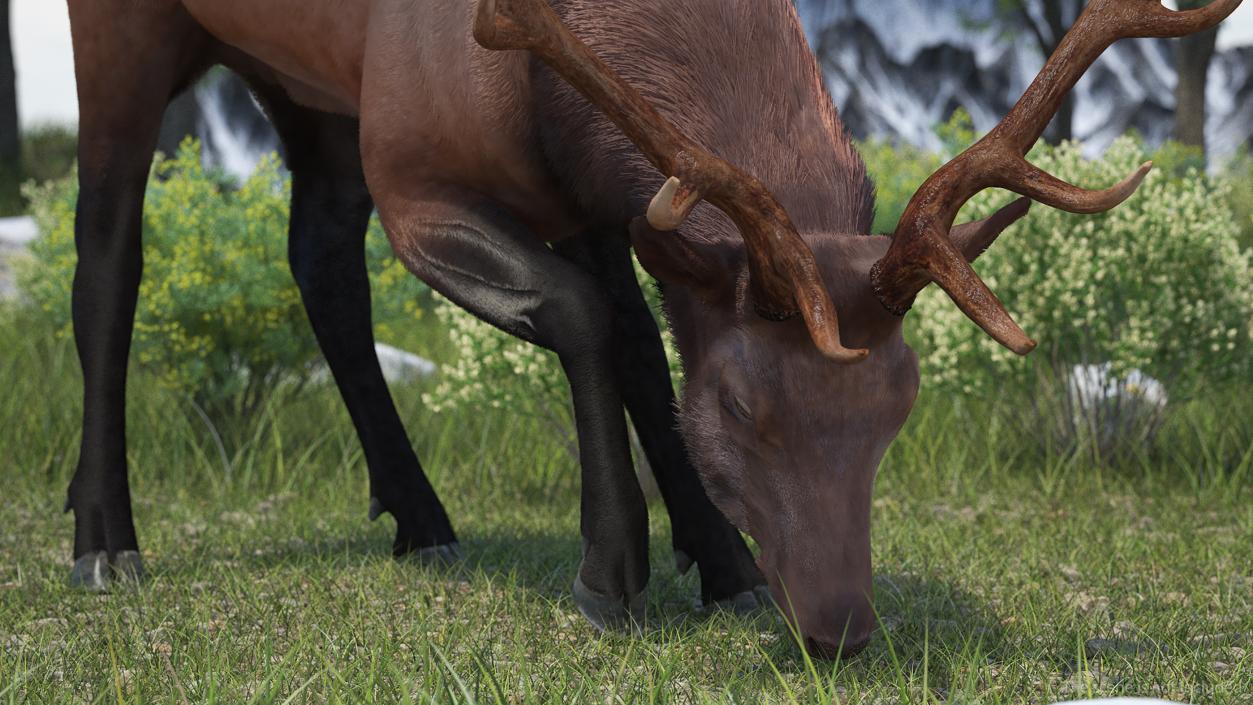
x: 495, y: 369
x: 492, y: 368
x: 1159, y: 285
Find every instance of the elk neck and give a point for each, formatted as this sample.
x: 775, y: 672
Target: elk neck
x: 738, y: 78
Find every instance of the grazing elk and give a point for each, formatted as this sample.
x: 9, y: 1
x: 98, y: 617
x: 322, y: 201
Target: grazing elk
x: 511, y: 182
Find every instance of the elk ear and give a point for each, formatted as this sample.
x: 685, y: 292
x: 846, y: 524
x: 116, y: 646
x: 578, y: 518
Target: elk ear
x: 711, y: 270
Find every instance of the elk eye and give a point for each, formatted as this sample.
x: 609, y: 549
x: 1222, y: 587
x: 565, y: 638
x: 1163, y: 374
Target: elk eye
x: 741, y: 409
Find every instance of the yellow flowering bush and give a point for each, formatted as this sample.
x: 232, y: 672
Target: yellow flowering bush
x: 1159, y: 284
x: 219, y: 314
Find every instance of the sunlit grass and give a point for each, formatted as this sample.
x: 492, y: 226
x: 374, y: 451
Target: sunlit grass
x: 1003, y: 576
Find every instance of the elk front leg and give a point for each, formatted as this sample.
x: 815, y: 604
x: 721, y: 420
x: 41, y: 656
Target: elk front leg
x: 701, y: 535
x: 330, y: 214
x: 489, y: 264
x: 129, y: 60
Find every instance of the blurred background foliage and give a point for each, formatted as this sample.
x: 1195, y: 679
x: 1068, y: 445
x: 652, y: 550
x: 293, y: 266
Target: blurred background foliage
x: 1157, y: 289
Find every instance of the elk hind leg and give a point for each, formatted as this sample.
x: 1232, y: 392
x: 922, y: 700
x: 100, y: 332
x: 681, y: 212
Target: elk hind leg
x: 329, y: 217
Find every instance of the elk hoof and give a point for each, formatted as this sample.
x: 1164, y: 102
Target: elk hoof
x: 436, y: 556
x: 94, y: 572
x: 91, y: 572
x: 748, y: 601
x: 606, y: 612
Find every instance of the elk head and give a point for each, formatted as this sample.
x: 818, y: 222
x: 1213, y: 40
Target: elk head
x: 786, y: 423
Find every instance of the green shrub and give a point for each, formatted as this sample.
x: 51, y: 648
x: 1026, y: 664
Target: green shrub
x: 898, y: 171
x: 11, y: 201
x: 49, y: 152
x: 1176, y: 160
x: 1239, y: 173
x: 489, y: 368
x: 219, y: 315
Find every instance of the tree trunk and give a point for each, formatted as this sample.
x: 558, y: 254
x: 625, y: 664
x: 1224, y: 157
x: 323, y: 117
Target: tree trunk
x: 1057, y: 17
x: 1193, y: 55
x: 1062, y: 128
x: 10, y: 135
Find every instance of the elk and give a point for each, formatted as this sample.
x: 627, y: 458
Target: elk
x: 516, y: 152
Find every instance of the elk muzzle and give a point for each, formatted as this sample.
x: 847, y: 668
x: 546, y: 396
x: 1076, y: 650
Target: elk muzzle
x: 827, y: 597
x: 815, y: 556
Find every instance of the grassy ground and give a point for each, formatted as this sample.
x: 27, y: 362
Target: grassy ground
x: 1003, y: 577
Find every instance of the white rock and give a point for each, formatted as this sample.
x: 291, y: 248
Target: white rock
x: 17, y: 231
x: 1091, y: 385
x: 1114, y: 411
x: 401, y: 366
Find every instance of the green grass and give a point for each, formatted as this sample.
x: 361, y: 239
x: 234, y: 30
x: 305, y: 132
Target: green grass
x: 1003, y: 577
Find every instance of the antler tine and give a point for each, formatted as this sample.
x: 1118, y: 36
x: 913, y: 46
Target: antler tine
x: 1029, y: 180
x: 784, y: 276
x: 923, y: 251
x: 1162, y: 22
x: 672, y: 205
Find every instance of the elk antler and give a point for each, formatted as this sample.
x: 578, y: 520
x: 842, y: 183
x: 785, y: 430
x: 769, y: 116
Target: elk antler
x: 784, y: 276
x: 922, y: 250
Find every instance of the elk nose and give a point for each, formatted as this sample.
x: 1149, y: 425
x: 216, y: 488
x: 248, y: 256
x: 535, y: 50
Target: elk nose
x: 827, y: 651
x: 842, y: 629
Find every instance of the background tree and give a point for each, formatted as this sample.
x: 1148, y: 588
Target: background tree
x: 10, y: 136
x: 1046, y: 22
x: 1042, y: 22
x: 1193, y: 55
